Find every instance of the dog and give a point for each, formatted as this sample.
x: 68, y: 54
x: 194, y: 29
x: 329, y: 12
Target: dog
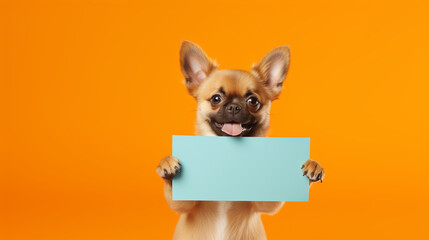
x: 229, y: 103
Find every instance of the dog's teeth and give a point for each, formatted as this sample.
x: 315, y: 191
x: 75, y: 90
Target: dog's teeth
x: 245, y: 129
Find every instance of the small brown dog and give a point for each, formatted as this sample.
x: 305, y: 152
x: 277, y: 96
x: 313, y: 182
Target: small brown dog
x: 230, y: 103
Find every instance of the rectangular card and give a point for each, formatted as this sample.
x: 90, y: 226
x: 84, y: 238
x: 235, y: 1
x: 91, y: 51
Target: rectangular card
x: 241, y: 168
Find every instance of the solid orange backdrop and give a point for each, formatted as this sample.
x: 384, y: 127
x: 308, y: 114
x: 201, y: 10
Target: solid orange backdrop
x: 91, y: 93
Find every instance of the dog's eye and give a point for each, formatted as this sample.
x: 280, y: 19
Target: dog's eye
x: 254, y: 103
x: 216, y: 99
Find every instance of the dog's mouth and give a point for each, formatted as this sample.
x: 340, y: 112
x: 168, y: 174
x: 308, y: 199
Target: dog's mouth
x: 231, y: 128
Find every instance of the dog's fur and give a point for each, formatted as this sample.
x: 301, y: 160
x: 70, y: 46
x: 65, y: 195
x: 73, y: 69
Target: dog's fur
x: 230, y: 102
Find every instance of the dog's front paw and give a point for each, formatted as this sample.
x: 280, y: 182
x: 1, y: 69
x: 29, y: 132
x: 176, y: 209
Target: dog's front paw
x: 313, y: 170
x: 168, y: 167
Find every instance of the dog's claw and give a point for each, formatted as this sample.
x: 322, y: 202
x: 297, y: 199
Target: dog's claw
x: 313, y: 171
x: 168, y: 167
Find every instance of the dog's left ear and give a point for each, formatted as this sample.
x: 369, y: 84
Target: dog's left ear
x: 195, y: 65
x: 273, y: 69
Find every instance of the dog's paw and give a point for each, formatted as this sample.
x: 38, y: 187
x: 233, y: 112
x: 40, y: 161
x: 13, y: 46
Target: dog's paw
x: 313, y: 171
x: 168, y: 167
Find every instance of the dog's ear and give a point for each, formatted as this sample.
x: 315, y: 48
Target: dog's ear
x: 195, y: 65
x: 273, y: 69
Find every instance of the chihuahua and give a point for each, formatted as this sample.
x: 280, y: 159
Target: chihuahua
x: 229, y: 103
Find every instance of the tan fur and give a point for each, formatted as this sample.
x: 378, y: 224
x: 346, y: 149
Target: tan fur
x: 233, y: 82
x: 209, y: 220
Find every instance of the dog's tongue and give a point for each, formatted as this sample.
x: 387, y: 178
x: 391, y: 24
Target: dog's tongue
x: 232, y: 129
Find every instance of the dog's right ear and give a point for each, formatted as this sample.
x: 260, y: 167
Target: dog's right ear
x: 195, y: 65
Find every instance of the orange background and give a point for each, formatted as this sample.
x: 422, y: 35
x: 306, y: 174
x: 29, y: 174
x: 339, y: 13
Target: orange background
x: 91, y: 93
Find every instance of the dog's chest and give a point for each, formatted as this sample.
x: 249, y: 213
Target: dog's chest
x: 222, y: 220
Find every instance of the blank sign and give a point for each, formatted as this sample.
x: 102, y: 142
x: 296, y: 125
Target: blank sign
x: 241, y: 168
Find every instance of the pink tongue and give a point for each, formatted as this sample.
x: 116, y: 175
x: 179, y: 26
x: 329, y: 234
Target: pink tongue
x: 232, y: 129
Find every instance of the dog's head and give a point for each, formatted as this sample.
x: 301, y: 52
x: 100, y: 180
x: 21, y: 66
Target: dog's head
x: 233, y: 102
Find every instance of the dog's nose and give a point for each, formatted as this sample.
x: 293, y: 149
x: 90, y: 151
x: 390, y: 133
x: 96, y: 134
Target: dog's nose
x: 233, y: 108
